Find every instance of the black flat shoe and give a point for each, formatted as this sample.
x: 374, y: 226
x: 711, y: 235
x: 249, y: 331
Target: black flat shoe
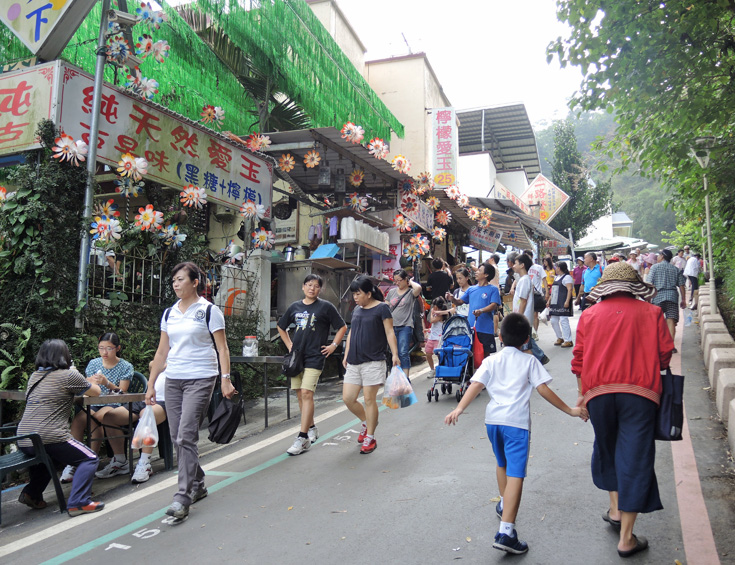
x: 614, y: 523
x: 641, y: 543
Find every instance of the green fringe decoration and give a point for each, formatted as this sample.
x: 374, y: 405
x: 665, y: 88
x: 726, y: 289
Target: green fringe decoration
x: 285, y: 37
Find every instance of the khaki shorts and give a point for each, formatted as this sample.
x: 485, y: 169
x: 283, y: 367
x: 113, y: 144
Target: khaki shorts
x: 366, y: 374
x: 306, y: 379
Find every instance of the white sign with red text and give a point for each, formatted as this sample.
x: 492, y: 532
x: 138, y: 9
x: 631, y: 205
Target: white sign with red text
x: 445, y: 146
x: 547, y: 198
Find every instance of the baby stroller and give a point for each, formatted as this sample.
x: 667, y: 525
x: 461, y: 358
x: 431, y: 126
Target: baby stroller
x: 455, y: 358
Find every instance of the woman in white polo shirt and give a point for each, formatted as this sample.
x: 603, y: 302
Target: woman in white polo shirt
x: 190, y: 330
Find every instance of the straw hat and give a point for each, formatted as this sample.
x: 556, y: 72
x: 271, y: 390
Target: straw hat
x: 621, y: 277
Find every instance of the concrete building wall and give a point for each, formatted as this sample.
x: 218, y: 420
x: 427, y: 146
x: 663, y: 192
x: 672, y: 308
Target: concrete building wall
x: 515, y: 181
x: 332, y: 18
x: 476, y: 174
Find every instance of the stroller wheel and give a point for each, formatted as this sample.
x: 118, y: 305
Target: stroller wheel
x: 449, y: 389
x: 428, y: 394
x: 458, y: 395
x: 444, y: 388
x: 436, y: 395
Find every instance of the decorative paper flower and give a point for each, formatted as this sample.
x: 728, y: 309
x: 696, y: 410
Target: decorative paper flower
x: 160, y: 50
x: 405, y: 186
x: 109, y: 209
x: 452, y: 192
x: 193, y: 197
x: 463, y: 200
x: 411, y: 251
x: 105, y: 229
x: 257, y: 142
x: 356, y: 177
x: 352, y: 133
x: 171, y: 236
x: 439, y: 234
x: 402, y: 223
x: 250, y: 209
x: 424, y: 181
x: 286, y: 162
x: 483, y: 223
x: 401, y: 164
x: 378, y: 148
x: 357, y: 202
x: 433, y: 202
x: 486, y: 213
x: 134, y: 167
x: 443, y: 217
x: 150, y: 17
x: 422, y: 243
x: 118, y: 50
x: 263, y: 239
x: 149, y: 219
x: 144, y: 47
x: 312, y: 158
x: 409, y: 203
x: 146, y: 87
x: 213, y: 115
x: 512, y: 236
x: 128, y: 187
x: 66, y: 149
x: 473, y: 213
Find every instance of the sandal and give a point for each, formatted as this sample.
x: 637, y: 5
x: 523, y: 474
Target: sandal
x: 641, y: 543
x: 614, y: 523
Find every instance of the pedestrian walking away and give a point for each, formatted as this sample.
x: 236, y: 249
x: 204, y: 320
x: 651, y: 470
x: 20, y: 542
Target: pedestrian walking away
x: 560, y: 305
x: 193, y: 350
x: 590, y: 278
x: 577, y: 275
x: 666, y: 279
x: 622, y: 345
x: 523, y: 303
x: 312, y: 317
x: 371, y: 333
x: 691, y: 271
x: 509, y: 379
x: 401, y: 301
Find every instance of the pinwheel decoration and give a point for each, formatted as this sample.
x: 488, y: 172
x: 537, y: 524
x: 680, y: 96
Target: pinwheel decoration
x: 149, y: 219
x: 109, y: 209
x: 439, y: 234
x: 118, y: 50
x: 263, y: 239
x: 433, y: 202
x: 411, y: 251
x: 463, y: 200
x: 113, y: 28
x: 483, y: 223
x: 128, y: 187
x: 352, y: 133
x: 512, y: 236
x: 401, y: 223
x: 409, y: 203
x: 286, y: 162
x: 312, y: 159
x: 473, y: 213
x: 3, y: 194
x: 106, y: 229
x: 358, y: 203
x: 424, y: 182
x: 193, y: 197
x: 147, y: 88
x: 66, y: 149
x: 443, y: 217
x: 144, y: 47
x: 356, y: 177
x: 401, y: 164
x: 378, y: 148
x: 452, y: 192
x: 250, y: 210
x: 405, y: 186
x: 134, y: 167
x: 150, y: 17
x: 422, y: 242
x: 171, y: 236
x: 214, y: 115
x: 486, y: 213
x: 160, y: 50
x: 257, y: 142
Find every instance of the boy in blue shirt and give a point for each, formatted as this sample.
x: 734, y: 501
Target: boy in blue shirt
x: 510, y: 377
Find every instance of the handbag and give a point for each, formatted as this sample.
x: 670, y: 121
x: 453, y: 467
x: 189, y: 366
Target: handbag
x: 293, y: 362
x: 670, y: 414
x: 225, y: 420
x: 478, y: 350
x: 539, y: 302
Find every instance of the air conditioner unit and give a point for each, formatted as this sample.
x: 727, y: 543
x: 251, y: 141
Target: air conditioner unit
x: 224, y: 215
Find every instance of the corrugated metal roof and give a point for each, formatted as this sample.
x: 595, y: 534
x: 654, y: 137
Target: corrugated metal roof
x: 505, y: 132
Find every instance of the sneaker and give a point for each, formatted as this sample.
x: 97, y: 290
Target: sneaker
x: 510, y: 544
x: 313, y: 434
x: 200, y: 493
x: 499, y: 510
x: 545, y: 360
x: 300, y: 445
x: 368, y: 446
x: 68, y: 474
x: 568, y: 344
x: 24, y: 498
x: 114, y: 468
x: 142, y: 473
x: 363, y: 433
x: 559, y: 341
x: 177, y: 510
x: 88, y: 509
x: 534, y: 335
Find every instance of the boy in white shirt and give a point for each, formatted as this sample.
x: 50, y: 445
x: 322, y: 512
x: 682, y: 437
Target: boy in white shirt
x: 510, y: 377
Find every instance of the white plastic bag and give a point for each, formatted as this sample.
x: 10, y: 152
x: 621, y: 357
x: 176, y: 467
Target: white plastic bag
x: 398, y: 392
x: 688, y: 317
x: 146, y: 432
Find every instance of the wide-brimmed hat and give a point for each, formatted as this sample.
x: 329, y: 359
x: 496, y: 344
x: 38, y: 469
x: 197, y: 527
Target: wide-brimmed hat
x: 621, y: 277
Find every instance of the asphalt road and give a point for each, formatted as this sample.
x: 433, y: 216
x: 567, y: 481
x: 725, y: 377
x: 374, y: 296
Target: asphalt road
x: 426, y: 495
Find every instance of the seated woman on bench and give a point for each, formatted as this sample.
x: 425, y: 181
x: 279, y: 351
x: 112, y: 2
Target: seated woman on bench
x: 119, y: 417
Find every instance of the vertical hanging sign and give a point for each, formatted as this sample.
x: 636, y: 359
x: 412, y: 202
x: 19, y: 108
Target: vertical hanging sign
x: 445, y: 146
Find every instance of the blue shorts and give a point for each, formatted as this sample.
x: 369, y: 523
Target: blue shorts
x: 510, y: 446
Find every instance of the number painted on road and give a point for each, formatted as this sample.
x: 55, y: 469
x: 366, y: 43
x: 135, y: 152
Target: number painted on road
x: 146, y: 534
x: 116, y: 546
x: 169, y: 520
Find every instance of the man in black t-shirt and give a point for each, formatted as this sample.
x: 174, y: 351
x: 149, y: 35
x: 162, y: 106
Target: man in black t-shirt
x: 313, y: 317
x: 439, y: 282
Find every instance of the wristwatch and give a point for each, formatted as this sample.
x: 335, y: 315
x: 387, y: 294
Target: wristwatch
x: 226, y: 376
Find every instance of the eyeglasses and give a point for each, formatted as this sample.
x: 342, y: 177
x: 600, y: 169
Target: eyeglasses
x: 108, y: 349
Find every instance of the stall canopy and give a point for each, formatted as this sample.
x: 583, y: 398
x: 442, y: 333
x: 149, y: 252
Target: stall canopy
x: 619, y: 243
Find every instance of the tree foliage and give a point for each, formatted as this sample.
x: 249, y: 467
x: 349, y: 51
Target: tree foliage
x: 587, y: 200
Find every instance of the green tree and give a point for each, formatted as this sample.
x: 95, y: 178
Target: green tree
x: 587, y: 200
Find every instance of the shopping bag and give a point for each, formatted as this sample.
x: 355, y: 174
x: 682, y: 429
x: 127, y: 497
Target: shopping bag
x: 398, y: 392
x: 478, y: 351
x: 670, y: 415
x: 146, y: 432
x: 225, y: 420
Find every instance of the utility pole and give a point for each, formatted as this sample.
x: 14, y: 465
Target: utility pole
x: 571, y: 240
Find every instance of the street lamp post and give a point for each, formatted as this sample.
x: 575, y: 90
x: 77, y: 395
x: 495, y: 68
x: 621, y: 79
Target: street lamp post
x: 701, y: 152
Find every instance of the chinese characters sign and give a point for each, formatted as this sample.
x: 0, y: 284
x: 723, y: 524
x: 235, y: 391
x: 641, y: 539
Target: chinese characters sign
x: 487, y: 240
x: 420, y: 213
x: 179, y: 152
x: 501, y: 191
x: 547, y: 198
x: 554, y: 247
x: 445, y: 146
x: 44, y: 26
x: 25, y: 99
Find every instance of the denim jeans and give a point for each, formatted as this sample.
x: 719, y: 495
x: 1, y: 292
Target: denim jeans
x: 403, y: 336
x: 538, y: 353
